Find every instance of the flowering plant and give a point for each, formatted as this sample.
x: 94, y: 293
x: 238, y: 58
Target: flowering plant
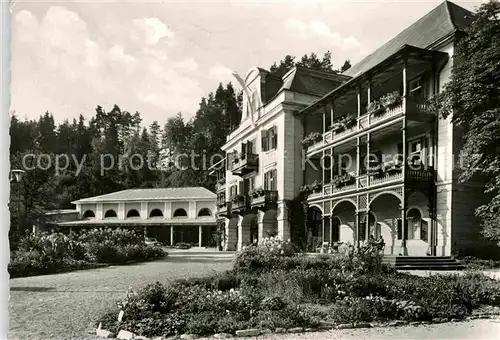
x: 341, y: 180
x: 390, y: 100
x: 392, y: 165
x: 237, y: 198
x: 374, y: 107
x: 257, y: 192
x: 312, y: 138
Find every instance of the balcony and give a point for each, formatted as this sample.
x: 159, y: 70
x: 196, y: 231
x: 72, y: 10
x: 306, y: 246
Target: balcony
x: 264, y: 198
x: 246, y: 164
x: 312, y: 142
x: 239, y: 203
x: 415, y: 109
x: 376, y: 177
x: 221, y: 184
x: 222, y: 207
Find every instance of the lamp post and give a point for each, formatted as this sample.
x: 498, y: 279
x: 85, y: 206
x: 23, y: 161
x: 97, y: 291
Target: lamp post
x: 18, y: 176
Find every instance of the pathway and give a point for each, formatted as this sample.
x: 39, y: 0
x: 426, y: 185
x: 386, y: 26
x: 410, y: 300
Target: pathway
x: 66, y: 305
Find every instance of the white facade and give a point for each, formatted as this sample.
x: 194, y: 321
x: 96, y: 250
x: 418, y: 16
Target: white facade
x: 417, y: 211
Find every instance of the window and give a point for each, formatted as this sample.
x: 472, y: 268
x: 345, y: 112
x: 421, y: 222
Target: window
x: 270, y: 180
x: 274, y: 138
x: 251, y: 147
x: 264, y: 141
x: 269, y: 139
x: 156, y: 213
x: 204, y: 212
x: 251, y: 183
x: 416, y: 152
x: 416, y: 87
x: 133, y: 213
x: 110, y: 213
x: 400, y: 229
x: 88, y: 214
x: 233, y: 190
x: 180, y: 213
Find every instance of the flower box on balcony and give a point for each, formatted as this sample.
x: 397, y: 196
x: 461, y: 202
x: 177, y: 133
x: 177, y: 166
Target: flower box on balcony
x: 390, y: 100
x: 306, y: 189
x: 392, y: 166
x: 316, y: 186
x: 257, y: 192
x: 337, y: 127
x: 373, y: 170
x: 311, y: 139
x: 343, y: 180
x: 375, y: 107
x: 342, y: 123
x: 238, y: 199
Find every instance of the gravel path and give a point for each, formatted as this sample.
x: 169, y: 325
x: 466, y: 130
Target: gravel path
x: 474, y: 329
x: 63, y: 306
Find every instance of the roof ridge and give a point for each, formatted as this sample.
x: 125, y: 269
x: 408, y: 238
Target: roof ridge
x: 448, y: 11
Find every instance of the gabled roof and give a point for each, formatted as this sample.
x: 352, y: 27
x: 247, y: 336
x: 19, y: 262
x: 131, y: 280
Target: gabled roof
x: 309, y: 81
x: 303, y: 80
x: 439, y: 23
x: 192, y: 193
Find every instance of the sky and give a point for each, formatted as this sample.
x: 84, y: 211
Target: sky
x: 162, y: 57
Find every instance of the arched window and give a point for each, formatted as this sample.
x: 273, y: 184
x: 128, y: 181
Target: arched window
x: 156, y: 213
x: 133, y: 213
x: 110, y: 213
x: 180, y: 213
x: 88, y: 214
x: 204, y: 212
x: 335, y: 229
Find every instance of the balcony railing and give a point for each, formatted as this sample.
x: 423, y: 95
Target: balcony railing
x: 417, y: 108
x: 423, y: 174
x: 221, y: 185
x: 268, y: 197
x: 223, y: 206
x: 246, y: 164
x: 316, y: 146
x: 239, y: 202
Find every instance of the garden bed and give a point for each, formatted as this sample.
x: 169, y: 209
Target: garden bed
x: 272, y: 288
x: 43, y: 254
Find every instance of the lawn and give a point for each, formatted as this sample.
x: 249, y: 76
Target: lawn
x: 67, y: 305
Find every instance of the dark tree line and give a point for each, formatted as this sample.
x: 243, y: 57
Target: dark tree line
x: 104, y: 153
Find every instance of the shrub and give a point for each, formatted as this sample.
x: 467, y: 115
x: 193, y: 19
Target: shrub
x: 47, y: 253
x: 264, y: 256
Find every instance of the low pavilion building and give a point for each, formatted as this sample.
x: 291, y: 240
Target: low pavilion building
x: 171, y: 215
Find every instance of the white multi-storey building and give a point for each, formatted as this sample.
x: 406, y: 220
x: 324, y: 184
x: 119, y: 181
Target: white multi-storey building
x: 378, y: 160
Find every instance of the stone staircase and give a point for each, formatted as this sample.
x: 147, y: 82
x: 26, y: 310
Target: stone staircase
x: 423, y: 262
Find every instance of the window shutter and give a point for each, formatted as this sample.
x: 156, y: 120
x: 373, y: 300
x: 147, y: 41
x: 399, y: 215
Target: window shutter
x: 264, y: 140
x: 229, y: 161
x: 266, y: 181
x: 243, y: 150
x: 274, y: 137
